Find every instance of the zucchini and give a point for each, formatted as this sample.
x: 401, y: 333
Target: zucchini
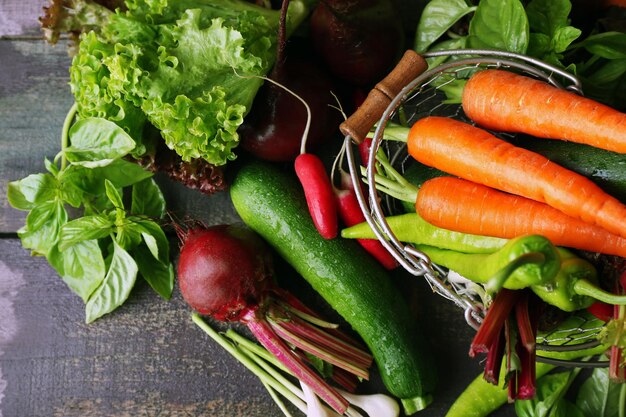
x: 272, y: 203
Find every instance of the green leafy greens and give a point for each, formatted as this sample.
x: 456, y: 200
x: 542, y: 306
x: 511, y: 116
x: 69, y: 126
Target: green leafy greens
x: 100, y: 253
x: 191, y: 68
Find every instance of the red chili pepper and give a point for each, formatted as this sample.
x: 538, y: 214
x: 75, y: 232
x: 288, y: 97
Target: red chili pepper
x: 319, y: 194
x: 351, y: 214
x: 600, y: 310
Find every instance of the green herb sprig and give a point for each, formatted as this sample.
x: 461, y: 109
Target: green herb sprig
x: 115, y: 235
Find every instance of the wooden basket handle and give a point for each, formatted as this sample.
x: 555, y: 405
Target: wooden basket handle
x: 358, y: 125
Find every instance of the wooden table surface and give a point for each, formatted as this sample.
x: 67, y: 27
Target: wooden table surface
x: 147, y: 358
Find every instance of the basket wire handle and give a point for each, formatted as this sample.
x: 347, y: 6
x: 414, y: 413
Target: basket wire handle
x: 358, y: 125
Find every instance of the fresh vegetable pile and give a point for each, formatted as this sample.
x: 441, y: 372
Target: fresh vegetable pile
x: 192, y: 88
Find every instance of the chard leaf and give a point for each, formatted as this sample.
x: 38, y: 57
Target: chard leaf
x: 116, y: 286
x: 81, y: 266
x: 598, y: 396
x: 27, y: 193
x: 159, y: 275
x: 550, y: 389
x: 438, y: 17
x: 565, y: 408
x: 500, y: 24
x: 147, y: 199
x: 97, y: 142
x: 85, y: 228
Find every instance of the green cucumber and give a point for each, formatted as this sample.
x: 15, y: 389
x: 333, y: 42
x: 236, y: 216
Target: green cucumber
x: 272, y: 203
x: 607, y: 169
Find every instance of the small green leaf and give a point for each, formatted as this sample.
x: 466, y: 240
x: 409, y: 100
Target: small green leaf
x: 610, y: 45
x: 563, y: 37
x: 147, y: 199
x: 113, y: 195
x: 608, y: 73
x: 120, y: 172
x: 155, y: 239
x: 85, y: 228
x: 35, y: 189
x: 550, y: 388
x: 547, y: 16
x: 81, y: 266
x: 538, y: 44
x: 500, y: 24
x: 159, y: 275
x: 436, y: 19
x: 128, y: 234
x: 457, y: 43
x: 115, y: 287
x: 46, y: 221
x: 97, y: 142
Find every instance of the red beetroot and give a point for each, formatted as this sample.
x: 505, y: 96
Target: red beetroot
x: 226, y: 272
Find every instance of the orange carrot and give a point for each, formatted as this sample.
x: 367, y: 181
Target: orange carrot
x: 504, y: 101
x: 464, y: 206
x: 476, y: 155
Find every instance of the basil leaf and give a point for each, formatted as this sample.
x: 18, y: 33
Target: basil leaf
x: 538, y: 44
x: 155, y: 239
x: 610, y: 45
x: 128, y: 235
x: 547, y: 16
x: 609, y: 72
x: 500, y: 24
x: 147, y: 199
x: 438, y: 17
x: 85, y: 228
x: 457, y: 43
x: 563, y: 37
x: 97, y: 142
x: 120, y: 172
x: 28, y: 192
x: 81, y: 266
x: 42, y: 227
x: 115, y: 287
x: 159, y: 275
x: 598, y: 396
x: 113, y: 195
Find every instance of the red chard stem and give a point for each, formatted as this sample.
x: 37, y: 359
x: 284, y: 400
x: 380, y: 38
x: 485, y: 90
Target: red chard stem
x: 491, y: 326
x: 494, y: 360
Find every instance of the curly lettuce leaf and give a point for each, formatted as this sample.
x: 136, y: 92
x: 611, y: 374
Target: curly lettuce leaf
x: 190, y: 68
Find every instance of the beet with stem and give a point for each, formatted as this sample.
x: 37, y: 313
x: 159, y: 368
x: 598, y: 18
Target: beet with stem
x: 226, y: 272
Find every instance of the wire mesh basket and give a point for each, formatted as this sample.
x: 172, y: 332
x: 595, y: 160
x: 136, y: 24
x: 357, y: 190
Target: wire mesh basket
x: 413, y: 91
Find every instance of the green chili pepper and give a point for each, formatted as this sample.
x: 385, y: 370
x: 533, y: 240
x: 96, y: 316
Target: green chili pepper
x: 561, y: 292
x: 574, y: 287
x: 412, y: 228
x: 522, y: 262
